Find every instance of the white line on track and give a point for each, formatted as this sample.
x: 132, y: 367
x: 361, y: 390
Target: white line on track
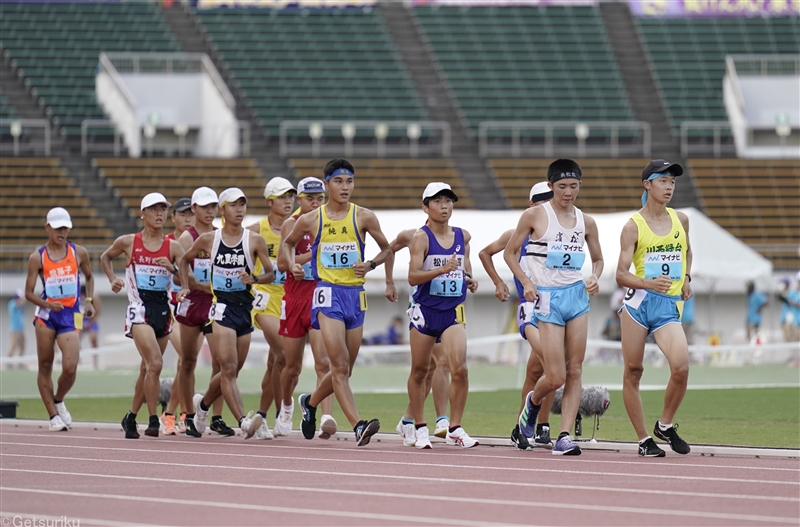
x: 42, y: 519
x: 560, y: 471
x: 548, y: 485
x: 265, y: 508
x: 399, y: 496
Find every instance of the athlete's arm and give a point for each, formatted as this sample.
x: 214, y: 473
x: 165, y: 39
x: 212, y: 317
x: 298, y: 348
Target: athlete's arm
x: 625, y: 278
x: 304, y: 224
x: 686, y: 290
x: 511, y: 252
x: 398, y: 244
x: 485, y: 256
x: 202, y: 243
x: 34, y: 268
x: 192, y: 284
x: 596, y: 253
x: 86, y: 268
x: 175, y: 253
x: 472, y: 283
x: 369, y: 222
x: 121, y: 245
x: 260, y: 250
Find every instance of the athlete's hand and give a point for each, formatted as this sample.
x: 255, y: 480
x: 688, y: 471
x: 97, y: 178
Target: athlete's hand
x: 360, y: 269
x: 90, y: 312
x: 501, y: 292
x: 529, y: 291
x: 660, y: 284
x: 55, y: 306
x: 165, y: 262
x: 246, y: 278
x: 117, y: 284
x: 686, y: 290
x: 592, y: 287
x: 298, y: 272
x: 451, y: 265
x: 181, y: 296
x: 472, y: 285
x: 391, y: 292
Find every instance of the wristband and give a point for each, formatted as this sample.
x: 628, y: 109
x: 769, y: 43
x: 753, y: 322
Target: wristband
x: 88, y: 299
x: 467, y: 275
x: 372, y: 265
x: 689, y: 277
x: 174, y: 269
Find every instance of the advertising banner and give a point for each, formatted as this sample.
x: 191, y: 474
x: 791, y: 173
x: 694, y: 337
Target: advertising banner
x: 714, y: 8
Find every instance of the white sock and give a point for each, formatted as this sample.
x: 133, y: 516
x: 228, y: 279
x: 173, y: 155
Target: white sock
x: 664, y: 427
x: 287, y: 409
x: 641, y: 442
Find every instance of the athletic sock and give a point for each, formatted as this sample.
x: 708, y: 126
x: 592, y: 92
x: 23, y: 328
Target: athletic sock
x: 277, y: 412
x: 287, y: 409
x: 203, y: 406
x: 544, y: 424
x: 53, y: 416
x: 240, y: 421
x: 442, y: 417
x: 263, y: 415
x: 169, y: 414
x: 563, y: 434
x: 57, y: 402
x: 664, y: 427
x: 454, y: 428
x: 153, y: 421
x: 407, y: 421
x: 641, y: 442
x: 215, y: 417
x: 190, y: 416
x: 420, y: 425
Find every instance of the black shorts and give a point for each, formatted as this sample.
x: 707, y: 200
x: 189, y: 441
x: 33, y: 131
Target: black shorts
x: 237, y: 318
x: 157, y: 316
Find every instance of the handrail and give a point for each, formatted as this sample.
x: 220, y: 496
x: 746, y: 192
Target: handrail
x: 765, y: 59
x: 31, y: 123
x: 98, y: 123
x: 730, y: 66
x: 108, y: 65
x: 716, y: 126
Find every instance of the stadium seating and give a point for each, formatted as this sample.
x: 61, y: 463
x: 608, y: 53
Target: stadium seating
x: 392, y: 183
x: 689, y: 57
x: 522, y: 63
x: 756, y: 200
x: 608, y: 185
x: 57, y: 47
x: 177, y: 178
x: 6, y: 110
x: 337, y: 64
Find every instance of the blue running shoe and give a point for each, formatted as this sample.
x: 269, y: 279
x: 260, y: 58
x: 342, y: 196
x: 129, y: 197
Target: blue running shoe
x: 527, y: 419
x: 365, y: 430
x: 309, y: 422
x: 565, y: 447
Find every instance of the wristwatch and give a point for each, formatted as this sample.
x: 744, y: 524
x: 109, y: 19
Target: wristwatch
x: 372, y: 265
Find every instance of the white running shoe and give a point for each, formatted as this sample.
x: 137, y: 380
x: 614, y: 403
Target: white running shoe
x: 200, y: 416
x: 63, y: 413
x: 327, y: 427
x: 264, y: 432
x: 442, y: 426
x: 250, y: 424
x: 283, y: 424
x: 57, y: 424
x: 407, y: 432
x: 423, y: 441
x: 461, y: 438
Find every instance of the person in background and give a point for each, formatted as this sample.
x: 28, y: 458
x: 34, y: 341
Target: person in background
x: 16, y: 325
x: 91, y: 327
x: 687, y: 320
x: 756, y: 302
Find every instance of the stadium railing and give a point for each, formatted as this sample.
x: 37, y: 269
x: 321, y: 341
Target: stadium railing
x: 717, y: 146
x: 19, y: 127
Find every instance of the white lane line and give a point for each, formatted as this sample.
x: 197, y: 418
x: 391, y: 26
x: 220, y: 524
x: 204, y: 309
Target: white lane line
x: 549, y: 485
x: 43, y: 519
x: 264, y: 508
x: 413, y: 452
x: 561, y: 471
x: 398, y: 496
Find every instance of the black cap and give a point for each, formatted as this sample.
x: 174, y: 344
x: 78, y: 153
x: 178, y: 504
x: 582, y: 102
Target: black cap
x: 182, y: 205
x: 661, y: 165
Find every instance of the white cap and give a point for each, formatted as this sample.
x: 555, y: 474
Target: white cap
x: 154, y: 198
x: 539, y: 188
x: 310, y: 185
x: 204, y: 196
x: 59, y: 217
x: 278, y: 186
x: 229, y: 195
x: 434, y: 188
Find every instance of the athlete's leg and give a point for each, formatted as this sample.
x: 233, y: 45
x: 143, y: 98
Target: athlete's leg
x: 293, y: 351
x: 575, y: 343
x: 421, y: 349
x: 633, y: 339
x: 276, y: 361
x: 228, y: 349
x: 342, y: 346
x: 175, y: 395
x: 672, y: 341
x: 440, y: 380
x: 191, y: 341
x: 321, y: 366
x: 454, y: 347
x: 70, y: 345
x: 554, y: 361
x: 215, y: 369
x: 45, y: 339
x: 151, y: 351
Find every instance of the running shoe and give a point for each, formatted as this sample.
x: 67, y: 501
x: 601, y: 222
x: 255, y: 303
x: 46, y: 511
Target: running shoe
x: 565, y: 447
x: 130, y: 427
x: 670, y: 435
x: 168, y: 424
x: 218, y: 426
x: 365, y: 430
x: 327, y: 427
x: 650, y: 449
x: 181, y: 425
x: 153, y: 427
x: 459, y: 437
x: 408, y: 432
x: 191, y: 431
x: 200, y: 416
x: 64, y: 414
x: 309, y: 423
x: 542, y: 436
x: 57, y: 424
x: 283, y: 424
x: 250, y: 424
x: 519, y: 440
x: 264, y: 432
x: 442, y: 426
x: 527, y: 419
x: 423, y: 441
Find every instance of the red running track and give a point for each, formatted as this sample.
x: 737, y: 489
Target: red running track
x: 96, y: 477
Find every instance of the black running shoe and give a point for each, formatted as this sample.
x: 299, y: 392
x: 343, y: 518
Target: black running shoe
x: 153, y: 427
x: 650, y: 449
x: 129, y: 426
x: 670, y: 435
x: 191, y: 431
x: 365, y: 430
x: 309, y: 422
x: 218, y: 426
x: 542, y: 436
x: 519, y: 440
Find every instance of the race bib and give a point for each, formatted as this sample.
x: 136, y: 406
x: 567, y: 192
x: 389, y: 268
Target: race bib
x: 542, y: 304
x: 260, y: 301
x: 565, y: 257
x: 283, y: 309
x: 217, y: 311
x: 58, y: 287
x: 322, y: 297
x: 152, y: 278
x: 338, y: 255
x: 415, y: 316
x: 135, y: 314
x: 307, y: 270
x: 667, y: 264
x: 448, y: 284
x: 634, y: 297
x: 280, y: 277
x: 202, y: 270
x: 183, y: 307
x: 227, y: 280
x: 42, y: 312
x: 525, y: 313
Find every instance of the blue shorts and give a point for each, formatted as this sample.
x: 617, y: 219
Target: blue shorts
x: 433, y: 322
x: 64, y: 321
x: 559, y: 305
x: 339, y: 302
x: 237, y: 318
x: 525, y: 317
x: 651, y: 310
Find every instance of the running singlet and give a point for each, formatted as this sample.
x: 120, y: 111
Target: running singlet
x: 175, y: 288
x: 555, y: 259
x: 201, y: 269
x: 301, y: 288
x: 273, y: 244
x: 226, y: 264
x: 447, y: 290
x: 337, y: 247
x: 61, y: 278
x: 661, y: 255
x: 148, y: 282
